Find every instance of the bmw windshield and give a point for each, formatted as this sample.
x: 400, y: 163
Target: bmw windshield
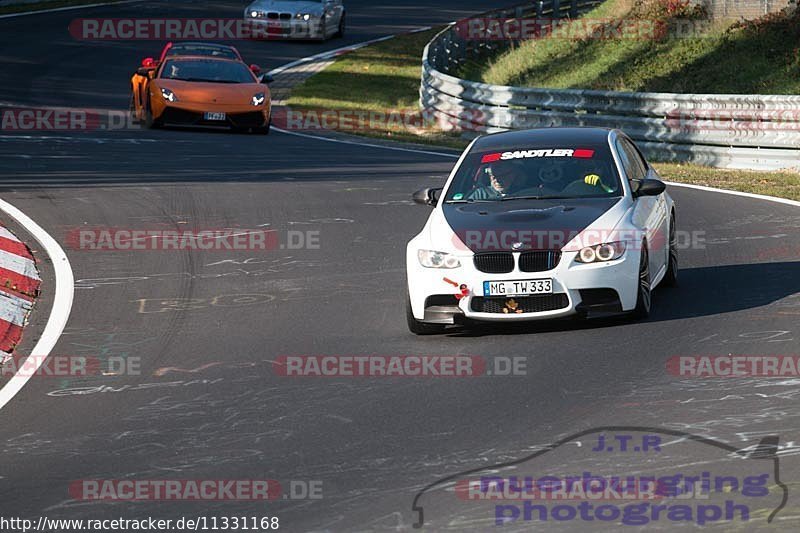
x: 536, y: 173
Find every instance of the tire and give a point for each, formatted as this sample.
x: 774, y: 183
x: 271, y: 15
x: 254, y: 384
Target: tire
x: 671, y: 277
x: 264, y: 130
x: 340, y: 32
x: 132, y: 109
x: 421, y: 328
x: 643, y: 293
x: 149, y: 121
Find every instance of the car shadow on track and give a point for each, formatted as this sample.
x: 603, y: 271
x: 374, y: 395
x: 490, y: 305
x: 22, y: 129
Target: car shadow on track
x: 702, y: 291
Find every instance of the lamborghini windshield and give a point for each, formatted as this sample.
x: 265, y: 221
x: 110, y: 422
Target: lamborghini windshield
x: 207, y: 70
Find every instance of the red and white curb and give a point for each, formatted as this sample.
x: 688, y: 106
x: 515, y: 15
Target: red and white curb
x: 20, y: 290
x: 19, y: 286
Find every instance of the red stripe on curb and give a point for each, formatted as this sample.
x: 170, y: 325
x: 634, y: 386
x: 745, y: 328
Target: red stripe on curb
x: 10, y: 335
x: 15, y: 247
x: 18, y: 284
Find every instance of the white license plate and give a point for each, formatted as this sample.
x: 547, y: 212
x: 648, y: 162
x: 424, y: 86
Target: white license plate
x: 214, y: 116
x: 522, y: 287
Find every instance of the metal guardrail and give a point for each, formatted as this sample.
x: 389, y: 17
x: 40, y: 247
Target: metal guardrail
x: 731, y: 131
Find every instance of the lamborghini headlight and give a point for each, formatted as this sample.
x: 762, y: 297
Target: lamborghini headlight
x: 257, y: 99
x: 168, y: 95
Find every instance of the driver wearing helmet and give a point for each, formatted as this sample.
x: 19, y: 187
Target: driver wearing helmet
x: 501, y: 179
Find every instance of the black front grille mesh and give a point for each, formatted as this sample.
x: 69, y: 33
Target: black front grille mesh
x: 526, y: 304
x: 539, y: 261
x: 494, y: 262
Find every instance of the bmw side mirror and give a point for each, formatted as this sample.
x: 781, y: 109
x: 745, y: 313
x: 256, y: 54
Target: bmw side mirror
x: 427, y: 196
x: 266, y: 79
x: 145, y: 71
x: 650, y: 187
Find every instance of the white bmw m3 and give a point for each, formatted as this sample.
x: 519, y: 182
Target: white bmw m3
x: 541, y: 224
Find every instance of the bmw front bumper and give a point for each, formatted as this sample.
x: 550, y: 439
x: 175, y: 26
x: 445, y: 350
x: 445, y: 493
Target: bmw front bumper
x: 286, y: 29
x: 578, y: 288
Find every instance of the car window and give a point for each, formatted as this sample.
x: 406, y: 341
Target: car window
x: 638, y: 154
x: 638, y: 166
x: 201, y: 50
x: 625, y: 160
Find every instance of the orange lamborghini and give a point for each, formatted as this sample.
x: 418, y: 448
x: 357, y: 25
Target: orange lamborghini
x: 202, y: 90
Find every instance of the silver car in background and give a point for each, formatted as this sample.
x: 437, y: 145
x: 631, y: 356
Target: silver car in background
x: 298, y: 19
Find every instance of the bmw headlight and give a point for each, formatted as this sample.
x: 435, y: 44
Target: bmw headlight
x: 255, y: 14
x: 602, y: 252
x: 434, y: 259
x: 257, y: 99
x: 168, y: 95
x: 303, y: 16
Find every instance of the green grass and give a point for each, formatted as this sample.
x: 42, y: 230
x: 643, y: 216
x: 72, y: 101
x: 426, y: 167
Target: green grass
x: 37, y: 6
x: 760, y: 57
x: 780, y: 184
x: 386, y: 76
x: 380, y: 78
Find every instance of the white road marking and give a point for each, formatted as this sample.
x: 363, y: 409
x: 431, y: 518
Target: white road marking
x: 359, y: 143
x: 62, y: 301
x: 737, y: 193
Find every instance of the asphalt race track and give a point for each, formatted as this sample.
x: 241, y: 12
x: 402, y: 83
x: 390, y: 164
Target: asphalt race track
x: 208, y: 404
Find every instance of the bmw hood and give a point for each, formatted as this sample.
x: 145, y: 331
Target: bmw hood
x: 518, y: 225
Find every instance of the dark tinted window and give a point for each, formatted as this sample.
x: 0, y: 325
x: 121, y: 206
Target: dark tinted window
x: 634, y: 166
